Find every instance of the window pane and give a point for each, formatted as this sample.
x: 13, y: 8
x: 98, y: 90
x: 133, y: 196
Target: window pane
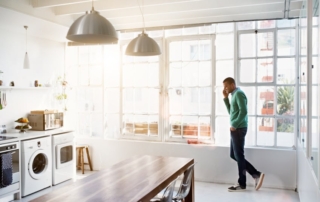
x: 315, y: 77
x: 285, y: 132
x: 247, y: 71
x: 97, y: 125
x: 141, y: 124
x: 303, y: 41
x: 140, y: 75
x: 112, y: 100
x: 190, y: 100
x: 175, y: 74
x: 286, y: 23
x: 95, y: 75
x: 266, y: 24
x: 95, y: 55
x: 153, y: 101
x: 128, y: 75
x: 89, y: 99
x: 315, y: 41
x: 220, y: 106
x: 83, y: 76
x: 205, y: 73
x: 303, y: 100
x: 265, y: 136
x: 190, y: 73
x: 112, y: 76
x: 303, y: 70
x: 128, y: 124
x: 175, y: 101
x: 141, y: 101
x: 286, y: 71
x: 224, y: 46
x: 222, y: 131
x: 128, y: 102
x: 173, y: 32
x: 153, y: 75
x: 285, y: 100
x: 251, y: 133
x: 246, y: 25
x: 153, y: 125
x: 224, y: 69
x: 190, y: 125
x: 83, y: 55
x: 265, y: 70
x: 247, y: 45
x: 112, y: 126
x: 265, y: 100
x: 190, y: 31
x: 205, y: 101
x: 205, y: 126
x: 265, y: 44
x: 205, y: 50
x: 207, y: 29
x: 175, y: 51
x: 190, y: 50
x: 315, y: 98
x: 224, y: 27
x: 175, y: 125
x: 250, y: 92
x: 286, y: 42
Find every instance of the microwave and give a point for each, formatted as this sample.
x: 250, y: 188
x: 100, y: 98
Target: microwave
x: 46, y: 121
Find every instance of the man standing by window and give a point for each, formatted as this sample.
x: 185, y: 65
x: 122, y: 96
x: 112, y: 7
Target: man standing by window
x: 238, y: 111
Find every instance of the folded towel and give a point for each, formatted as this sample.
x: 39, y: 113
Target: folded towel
x: 6, y: 169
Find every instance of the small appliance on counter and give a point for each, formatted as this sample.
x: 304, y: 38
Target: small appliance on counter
x: 45, y: 119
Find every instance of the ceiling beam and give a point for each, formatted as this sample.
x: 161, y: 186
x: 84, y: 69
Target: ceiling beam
x: 204, y: 20
x: 102, y: 6
x: 54, y: 3
x: 161, y: 12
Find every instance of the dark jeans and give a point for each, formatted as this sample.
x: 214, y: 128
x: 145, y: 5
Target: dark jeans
x: 237, y: 154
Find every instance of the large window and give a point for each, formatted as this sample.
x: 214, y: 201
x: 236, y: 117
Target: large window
x: 266, y: 73
x: 178, y: 96
x: 189, y: 87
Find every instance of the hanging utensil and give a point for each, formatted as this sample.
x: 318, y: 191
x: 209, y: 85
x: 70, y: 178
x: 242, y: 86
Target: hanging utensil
x: 4, y: 100
x: 0, y: 101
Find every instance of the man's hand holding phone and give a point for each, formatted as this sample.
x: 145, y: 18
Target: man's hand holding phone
x: 225, y: 94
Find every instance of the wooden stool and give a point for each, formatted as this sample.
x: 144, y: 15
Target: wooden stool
x: 81, y: 162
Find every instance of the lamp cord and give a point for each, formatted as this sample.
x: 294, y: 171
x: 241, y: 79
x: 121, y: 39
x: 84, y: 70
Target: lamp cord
x: 26, y: 38
x: 144, y: 26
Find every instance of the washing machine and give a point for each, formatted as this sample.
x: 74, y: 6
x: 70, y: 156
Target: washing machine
x: 63, y: 155
x: 36, y: 165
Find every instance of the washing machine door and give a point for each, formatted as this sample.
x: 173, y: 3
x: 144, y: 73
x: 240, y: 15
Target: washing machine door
x: 38, y: 164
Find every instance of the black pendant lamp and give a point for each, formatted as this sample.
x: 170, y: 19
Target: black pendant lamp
x: 92, y: 28
x: 143, y: 45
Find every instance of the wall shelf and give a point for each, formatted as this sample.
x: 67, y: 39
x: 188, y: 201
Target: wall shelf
x: 24, y: 88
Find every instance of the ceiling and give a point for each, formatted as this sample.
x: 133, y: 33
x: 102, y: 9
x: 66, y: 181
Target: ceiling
x: 125, y: 14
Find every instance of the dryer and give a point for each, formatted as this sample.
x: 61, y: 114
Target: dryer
x: 63, y: 155
x: 36, y: 165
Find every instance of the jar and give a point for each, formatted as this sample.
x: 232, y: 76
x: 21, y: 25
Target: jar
x: 36, y: 83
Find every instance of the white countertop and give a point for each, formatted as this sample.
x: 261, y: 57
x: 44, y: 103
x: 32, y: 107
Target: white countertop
x: 32, y: 134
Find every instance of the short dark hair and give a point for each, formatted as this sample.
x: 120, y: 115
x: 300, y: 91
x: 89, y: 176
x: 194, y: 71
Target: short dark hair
x: 229, y: 80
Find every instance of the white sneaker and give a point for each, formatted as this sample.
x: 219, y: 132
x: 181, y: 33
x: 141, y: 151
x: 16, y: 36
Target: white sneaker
x: 259, y: 181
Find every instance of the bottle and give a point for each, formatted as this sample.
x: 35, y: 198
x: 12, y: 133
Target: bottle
x: 36, y: 83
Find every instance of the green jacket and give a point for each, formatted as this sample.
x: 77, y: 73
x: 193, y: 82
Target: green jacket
x: 238, y: 109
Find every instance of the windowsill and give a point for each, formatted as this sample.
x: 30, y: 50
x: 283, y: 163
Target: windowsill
x: 182, y: 143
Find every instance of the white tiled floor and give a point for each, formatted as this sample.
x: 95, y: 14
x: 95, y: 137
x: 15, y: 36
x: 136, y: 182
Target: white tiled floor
x: 207, y: 192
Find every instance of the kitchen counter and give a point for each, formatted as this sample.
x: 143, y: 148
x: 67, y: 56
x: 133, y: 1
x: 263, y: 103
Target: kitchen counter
x: 31, y: 134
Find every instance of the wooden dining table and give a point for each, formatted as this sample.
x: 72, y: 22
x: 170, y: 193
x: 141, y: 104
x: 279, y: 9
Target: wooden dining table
x: 135, y: 179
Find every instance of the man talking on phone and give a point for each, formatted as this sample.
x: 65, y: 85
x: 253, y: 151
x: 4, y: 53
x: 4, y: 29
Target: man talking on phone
x: 238, y: 110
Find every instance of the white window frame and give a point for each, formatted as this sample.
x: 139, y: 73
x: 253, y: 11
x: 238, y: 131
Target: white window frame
x: 272, y: 84
x: 166, y: 87
x: 159, y: 137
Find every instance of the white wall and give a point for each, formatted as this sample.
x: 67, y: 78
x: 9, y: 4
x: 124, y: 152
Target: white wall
x: 46, y: 63
x: 213, y: 162
x: 307, y: 186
